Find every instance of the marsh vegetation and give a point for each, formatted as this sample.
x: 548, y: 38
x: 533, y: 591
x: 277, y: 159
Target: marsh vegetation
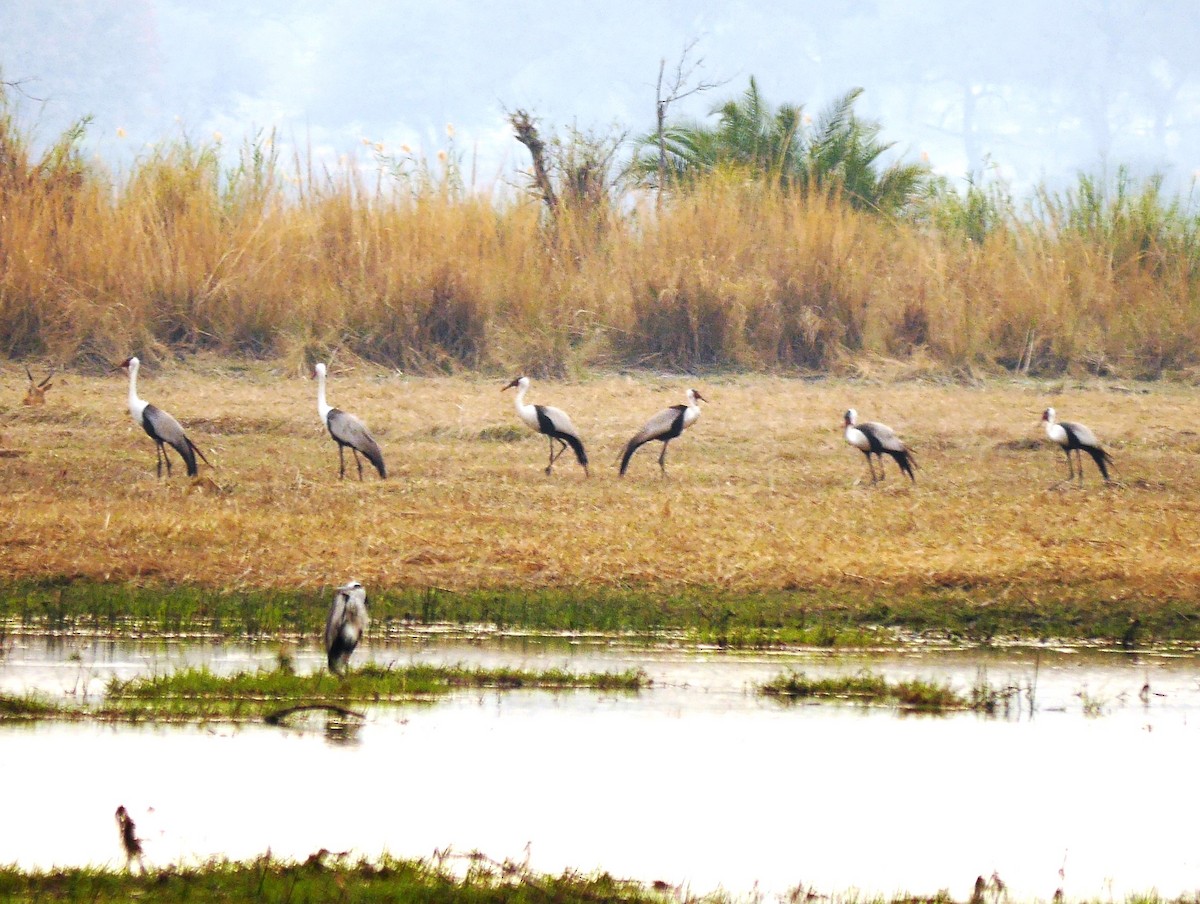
x: 198, y: 695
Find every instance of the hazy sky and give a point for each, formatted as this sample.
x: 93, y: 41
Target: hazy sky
x: 1026, y: 89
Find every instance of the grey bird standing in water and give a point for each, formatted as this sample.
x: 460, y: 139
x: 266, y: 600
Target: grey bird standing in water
x: 347, y: 430
x: 347, y: 622
x: 131, y: 844
x: 160, y: 426
x: 664, y: 427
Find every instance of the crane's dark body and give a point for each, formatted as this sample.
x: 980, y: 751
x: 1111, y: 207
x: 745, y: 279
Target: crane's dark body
x: 546, y: 425
x: 1077, y: 438
x: 164, y: 429
x: 877, y: 439
x: 349, y: 432
x: 664, y: 427
x: 885, y: 442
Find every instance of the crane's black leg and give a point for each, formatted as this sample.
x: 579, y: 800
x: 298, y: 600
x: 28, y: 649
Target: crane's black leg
x: 1070, y: 465
x: 357, y: 461
x: 662, y: 462
x: 341, y: 461
x: 870, y: 467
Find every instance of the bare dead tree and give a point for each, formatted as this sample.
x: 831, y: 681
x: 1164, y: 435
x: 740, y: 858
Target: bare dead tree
x: 527, y: 133
x: 671, y: 89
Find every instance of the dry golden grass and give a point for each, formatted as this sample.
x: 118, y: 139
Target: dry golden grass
x: 184, y: 255
x: 764, y: 494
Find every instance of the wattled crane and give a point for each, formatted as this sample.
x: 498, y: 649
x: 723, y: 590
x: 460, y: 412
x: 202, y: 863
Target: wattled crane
x: 346, y: 624
x: 347, y: 430
x: 160, y: 426
x: 1076, y: 438
x: 551, y: 422
x: 878, y: 439
x: 664, y: 427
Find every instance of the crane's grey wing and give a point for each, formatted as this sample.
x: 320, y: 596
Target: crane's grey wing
x: 557, y: 419
x: 660, y: 424
x: 349, y: 430
x: 883, y: 436
x: 164, y: 427
x: 356, y: 608
x: 337, y: 617
x: 346, y: 428
x: 1081, y: 434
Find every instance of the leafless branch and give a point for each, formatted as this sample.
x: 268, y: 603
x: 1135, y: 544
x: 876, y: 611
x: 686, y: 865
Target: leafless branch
x: 673, y: 91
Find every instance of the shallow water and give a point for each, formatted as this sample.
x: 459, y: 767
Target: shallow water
x: 697, y: 780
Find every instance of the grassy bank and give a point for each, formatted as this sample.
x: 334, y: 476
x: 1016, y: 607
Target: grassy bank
x: 819, y: 618
x: 325, y: 879
x: 199, y: 695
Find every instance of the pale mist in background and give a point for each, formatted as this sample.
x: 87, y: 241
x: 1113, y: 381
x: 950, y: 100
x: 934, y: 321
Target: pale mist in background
x: 1025, y: 91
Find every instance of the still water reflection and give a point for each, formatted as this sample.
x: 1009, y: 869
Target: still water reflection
x: 696, y: 780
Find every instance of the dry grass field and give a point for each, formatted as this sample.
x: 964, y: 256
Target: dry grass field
x: 763, y: 494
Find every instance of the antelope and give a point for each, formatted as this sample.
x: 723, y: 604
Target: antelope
x: 36, y: 394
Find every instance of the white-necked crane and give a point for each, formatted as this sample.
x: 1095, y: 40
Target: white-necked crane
x: 664, y: 427
x: 1076, y: 438
x: 130, y: 843
x: 160, y: 426
x: 345, y: 626
x: 347, y: 430
x: 551, y: 422
x: 880, y: 440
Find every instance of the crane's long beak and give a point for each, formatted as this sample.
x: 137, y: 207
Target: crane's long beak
x: 512, y: 384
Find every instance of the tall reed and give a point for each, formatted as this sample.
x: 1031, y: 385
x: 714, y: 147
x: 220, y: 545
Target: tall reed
x: 268, y: 259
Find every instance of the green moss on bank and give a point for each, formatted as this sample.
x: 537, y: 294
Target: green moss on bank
x: 812, y: 617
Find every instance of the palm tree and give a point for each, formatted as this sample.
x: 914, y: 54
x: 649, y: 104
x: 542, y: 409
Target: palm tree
x: 841, y: 153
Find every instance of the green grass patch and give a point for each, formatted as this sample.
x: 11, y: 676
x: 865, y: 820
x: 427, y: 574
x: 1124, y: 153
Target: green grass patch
x: 324, y: 878
x: 27, y: 707
x: 807, y: 617
x: 867, y: 687
x: 200, y: 695
x: 318, y: 879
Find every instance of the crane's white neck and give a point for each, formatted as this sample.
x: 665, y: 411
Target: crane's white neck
x: 693, y: 409
x: 519, y: 398
x: 136, y: 405
x: 323, y: 407
x: 525, y: 412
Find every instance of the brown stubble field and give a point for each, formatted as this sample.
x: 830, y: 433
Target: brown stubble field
x: 763, y: 492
